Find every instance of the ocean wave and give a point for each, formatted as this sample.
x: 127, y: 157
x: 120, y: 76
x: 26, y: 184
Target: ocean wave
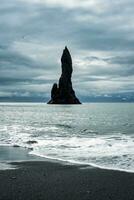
x: 77, y: 135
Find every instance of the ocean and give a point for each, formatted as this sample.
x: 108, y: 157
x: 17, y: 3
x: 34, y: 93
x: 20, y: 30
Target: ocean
x: 95, y: 134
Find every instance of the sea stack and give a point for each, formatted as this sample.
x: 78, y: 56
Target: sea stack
x: 63, y: 93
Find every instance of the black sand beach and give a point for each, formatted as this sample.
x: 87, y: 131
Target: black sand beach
x: 42, y: 180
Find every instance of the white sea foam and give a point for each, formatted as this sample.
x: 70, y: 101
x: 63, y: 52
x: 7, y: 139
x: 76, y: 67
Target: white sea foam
x: 95, y: 134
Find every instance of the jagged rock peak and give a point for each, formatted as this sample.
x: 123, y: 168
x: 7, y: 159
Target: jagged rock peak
x: 66, y: 57
x: 63, y: 93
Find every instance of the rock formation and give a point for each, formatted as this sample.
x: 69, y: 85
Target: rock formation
x: 63, y: 92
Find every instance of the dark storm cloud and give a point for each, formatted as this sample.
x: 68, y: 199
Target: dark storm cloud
x: 33, y: 34
x: 14, y: 58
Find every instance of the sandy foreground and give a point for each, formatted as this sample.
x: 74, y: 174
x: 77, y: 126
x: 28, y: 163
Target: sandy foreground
x: 43, y: 180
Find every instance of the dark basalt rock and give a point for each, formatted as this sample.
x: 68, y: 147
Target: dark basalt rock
x: 63, y: 93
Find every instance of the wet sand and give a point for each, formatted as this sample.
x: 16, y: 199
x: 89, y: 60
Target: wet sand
x: 42, y: 180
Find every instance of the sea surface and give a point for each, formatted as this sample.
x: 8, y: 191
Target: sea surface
x: 97, y: 134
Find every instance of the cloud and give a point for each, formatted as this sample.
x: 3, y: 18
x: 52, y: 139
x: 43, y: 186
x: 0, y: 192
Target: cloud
x: 34, y: 32
x: 70, y: 4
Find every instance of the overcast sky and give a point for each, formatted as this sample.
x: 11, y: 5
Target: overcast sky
x: 98, y: 33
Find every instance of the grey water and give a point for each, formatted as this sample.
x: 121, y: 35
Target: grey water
x: 98, y: 134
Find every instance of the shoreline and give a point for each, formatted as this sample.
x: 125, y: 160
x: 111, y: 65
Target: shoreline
x: 18, y: 154
x: 38, y: 178
x: 44, y: 180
